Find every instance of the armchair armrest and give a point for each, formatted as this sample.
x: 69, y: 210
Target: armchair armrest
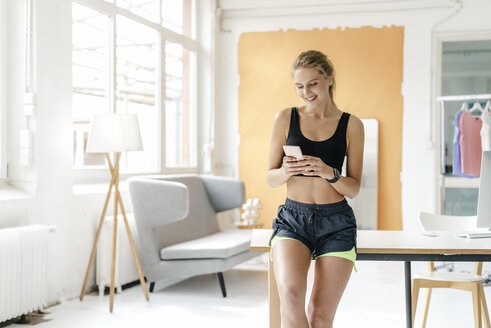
x: 224, y: 193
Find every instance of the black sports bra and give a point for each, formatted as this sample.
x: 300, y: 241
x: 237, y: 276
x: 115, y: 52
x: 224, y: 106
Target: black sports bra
x: 332, y: 151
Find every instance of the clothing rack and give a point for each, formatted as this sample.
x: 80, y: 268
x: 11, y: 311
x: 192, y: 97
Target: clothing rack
x: 463, y: 98
x: 442, y: 100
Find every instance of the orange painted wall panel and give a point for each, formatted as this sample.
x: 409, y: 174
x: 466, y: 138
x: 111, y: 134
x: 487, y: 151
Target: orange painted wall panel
x: 368, y: 63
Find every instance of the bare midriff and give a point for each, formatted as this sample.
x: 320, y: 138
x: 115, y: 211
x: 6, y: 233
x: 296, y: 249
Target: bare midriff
x: 311, y: 190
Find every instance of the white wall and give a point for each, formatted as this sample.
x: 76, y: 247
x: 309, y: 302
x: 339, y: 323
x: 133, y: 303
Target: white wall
x: 422, y: 20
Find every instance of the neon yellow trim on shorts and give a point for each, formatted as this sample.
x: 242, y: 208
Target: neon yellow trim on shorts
x: 349, y: 255
x: 274, y: 240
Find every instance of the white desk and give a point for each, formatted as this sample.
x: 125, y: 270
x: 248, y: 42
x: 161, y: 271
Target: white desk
x: 403, y: 246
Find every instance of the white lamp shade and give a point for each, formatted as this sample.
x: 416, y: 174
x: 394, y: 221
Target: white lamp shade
x: 114, y: 133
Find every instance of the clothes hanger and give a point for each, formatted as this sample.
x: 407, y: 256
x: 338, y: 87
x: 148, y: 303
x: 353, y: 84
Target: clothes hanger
x: 464, y: 107
x: 488, y: 106
x: 476, y: 108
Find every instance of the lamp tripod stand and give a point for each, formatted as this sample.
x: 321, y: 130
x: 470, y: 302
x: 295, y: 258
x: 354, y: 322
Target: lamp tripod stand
x: 117, y: 201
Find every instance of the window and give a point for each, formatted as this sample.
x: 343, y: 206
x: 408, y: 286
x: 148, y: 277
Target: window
x: 136, y: 89
x: 143, y: 64
x: 179, y: 95
x: 90, y: 62
x: 148, y: 9
x: 3, y: 91
x: 177, y: 16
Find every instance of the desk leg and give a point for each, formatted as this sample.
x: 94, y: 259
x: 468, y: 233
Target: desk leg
x: 273, y: 298
x: 407, y: 276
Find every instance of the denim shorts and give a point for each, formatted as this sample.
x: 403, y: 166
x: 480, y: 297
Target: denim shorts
x: 323, y: 228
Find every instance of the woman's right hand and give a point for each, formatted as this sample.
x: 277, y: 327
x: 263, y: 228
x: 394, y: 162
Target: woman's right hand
x: 292, y: 166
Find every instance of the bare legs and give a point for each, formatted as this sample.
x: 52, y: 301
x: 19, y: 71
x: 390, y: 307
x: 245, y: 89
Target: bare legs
x: 331, y: 277
x: 291, y: 261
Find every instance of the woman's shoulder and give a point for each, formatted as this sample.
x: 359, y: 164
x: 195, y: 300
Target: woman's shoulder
x: 354, y: 123
x: 286, y: 111
x: 283, y: 116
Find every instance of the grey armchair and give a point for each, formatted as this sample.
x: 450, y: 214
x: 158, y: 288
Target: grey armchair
x: 177, y: 230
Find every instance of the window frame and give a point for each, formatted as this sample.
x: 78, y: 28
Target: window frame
x: 435, y: 121
x: 88, y: 174
x: 3, y: 90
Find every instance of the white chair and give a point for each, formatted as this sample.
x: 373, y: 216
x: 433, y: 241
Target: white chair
x: 457, y: 280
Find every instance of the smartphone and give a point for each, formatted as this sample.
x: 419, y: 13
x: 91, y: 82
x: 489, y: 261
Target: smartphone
x: 293, y: 151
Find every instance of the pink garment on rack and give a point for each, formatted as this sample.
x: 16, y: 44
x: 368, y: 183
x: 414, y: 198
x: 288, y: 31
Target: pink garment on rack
x: 470, y: 144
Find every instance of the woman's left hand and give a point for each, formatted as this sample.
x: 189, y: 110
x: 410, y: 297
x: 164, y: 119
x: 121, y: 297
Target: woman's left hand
x: 316, y: 166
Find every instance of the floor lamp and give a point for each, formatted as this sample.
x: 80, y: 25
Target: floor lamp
x: 114, y: 133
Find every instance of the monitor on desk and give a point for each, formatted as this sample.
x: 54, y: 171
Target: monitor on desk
x: 484, y: 199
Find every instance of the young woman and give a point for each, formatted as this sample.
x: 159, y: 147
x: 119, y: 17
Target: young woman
x: 315, y: 222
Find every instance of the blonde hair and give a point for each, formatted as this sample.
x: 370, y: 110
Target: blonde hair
x: 317, y: 60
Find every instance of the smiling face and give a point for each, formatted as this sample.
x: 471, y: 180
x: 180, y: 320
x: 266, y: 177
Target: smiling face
x: 312, y: 86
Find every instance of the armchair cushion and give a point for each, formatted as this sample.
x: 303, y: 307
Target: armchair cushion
x: 222, y: 244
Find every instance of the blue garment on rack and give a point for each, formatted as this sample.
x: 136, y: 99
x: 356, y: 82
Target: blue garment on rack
x: 457, y: 164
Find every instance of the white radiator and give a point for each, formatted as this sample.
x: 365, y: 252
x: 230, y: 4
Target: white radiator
x: 23, y: 270
x: 125, y: 271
